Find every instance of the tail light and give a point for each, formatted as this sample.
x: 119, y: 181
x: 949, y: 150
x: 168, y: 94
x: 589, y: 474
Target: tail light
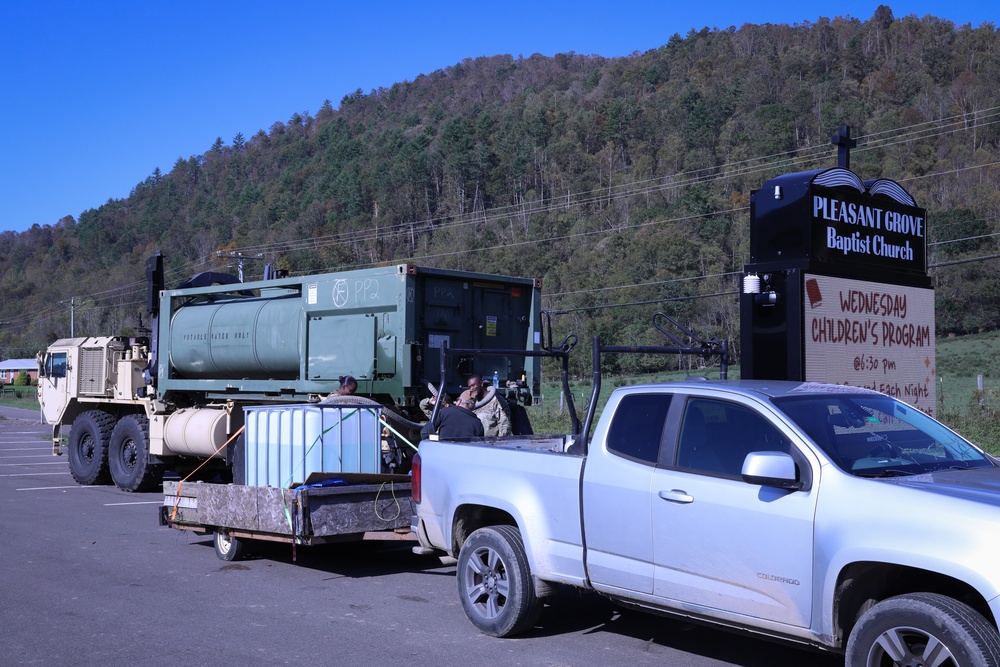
x: 415, y: 478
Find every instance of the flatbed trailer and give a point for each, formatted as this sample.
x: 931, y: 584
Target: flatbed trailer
x: 355, y: 507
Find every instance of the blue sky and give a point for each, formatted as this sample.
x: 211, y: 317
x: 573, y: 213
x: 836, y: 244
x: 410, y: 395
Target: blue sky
x: 95, y: 96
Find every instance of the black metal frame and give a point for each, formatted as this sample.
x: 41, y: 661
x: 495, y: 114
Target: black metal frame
x: 704, y: 349
x: 560, y: 352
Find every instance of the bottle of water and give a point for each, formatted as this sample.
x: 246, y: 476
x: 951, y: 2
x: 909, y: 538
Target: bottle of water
x: 496, y: 380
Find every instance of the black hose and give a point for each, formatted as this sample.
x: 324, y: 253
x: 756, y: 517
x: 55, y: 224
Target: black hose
x: 390, y: 416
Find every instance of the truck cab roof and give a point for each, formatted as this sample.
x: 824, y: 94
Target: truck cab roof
x: 766, y: 389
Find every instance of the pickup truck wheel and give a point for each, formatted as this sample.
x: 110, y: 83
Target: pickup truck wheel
x: 923, y: 629
x: 128, y: 456
x: 228, y: 547
x: 88, y: 447
x: 494, y: 582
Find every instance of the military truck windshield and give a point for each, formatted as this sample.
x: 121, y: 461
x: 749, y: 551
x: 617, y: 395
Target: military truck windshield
x: 871, y: 435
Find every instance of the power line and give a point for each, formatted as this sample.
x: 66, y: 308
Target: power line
x: 967, y: 260
x: 649, y: 284
x: 967, y: 238
x: 605, y: 306
x: 919, y: 131
x: 743, y: 167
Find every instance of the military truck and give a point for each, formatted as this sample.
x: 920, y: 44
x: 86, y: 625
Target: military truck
x: 174, y: 399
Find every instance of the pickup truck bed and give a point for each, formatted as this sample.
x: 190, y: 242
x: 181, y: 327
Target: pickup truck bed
x: 541, y: 473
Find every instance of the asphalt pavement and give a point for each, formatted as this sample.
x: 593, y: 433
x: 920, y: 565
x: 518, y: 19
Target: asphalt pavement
x: 33, y: 416
x: 88, y: 576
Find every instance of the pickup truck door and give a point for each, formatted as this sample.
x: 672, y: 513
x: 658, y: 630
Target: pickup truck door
x: 718, y: 541
x: 616, y: 494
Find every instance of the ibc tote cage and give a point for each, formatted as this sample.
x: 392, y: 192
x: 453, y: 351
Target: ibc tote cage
x: 286, y: 444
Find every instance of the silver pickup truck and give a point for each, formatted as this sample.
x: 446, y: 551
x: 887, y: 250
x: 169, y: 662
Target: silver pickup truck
x: 822, y: 514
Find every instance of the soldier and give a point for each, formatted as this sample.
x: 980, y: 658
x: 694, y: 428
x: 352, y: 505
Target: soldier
x: 493, y: 413
x: 455, y: 421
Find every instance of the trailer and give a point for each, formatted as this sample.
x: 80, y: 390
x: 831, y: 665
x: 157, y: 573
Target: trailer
x: 310, y: 476
x: 329, y: 508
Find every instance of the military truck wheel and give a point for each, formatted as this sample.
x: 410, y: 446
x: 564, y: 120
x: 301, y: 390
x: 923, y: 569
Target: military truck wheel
x: 88, y: 447
x: 228, y: 547
x: 923, y: 629
x: 494, y: 582
x: 128, y: 456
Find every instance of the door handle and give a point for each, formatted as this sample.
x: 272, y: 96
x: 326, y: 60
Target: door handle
x: 676, y: 496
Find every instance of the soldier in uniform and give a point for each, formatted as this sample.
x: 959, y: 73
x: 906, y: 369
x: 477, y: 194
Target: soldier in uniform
x: 493, y: 413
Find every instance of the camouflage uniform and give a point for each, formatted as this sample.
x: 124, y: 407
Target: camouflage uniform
x: 495, y: 415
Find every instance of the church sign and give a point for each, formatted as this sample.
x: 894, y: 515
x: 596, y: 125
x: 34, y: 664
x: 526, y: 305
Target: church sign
x: 837, y: 288
x: 878, y: 224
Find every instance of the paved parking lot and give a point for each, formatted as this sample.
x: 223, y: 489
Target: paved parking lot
x: 87, y: 576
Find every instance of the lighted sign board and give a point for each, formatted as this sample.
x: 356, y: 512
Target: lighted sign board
x: 859, y: 227
x: 869, y: 334
x: 831, y: 218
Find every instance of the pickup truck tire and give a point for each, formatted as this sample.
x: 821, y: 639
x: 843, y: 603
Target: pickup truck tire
x: 88, y: 447
x: 923, y: 629
x: 227, y: 547
x: 494, y: 582
x: 128, y: 456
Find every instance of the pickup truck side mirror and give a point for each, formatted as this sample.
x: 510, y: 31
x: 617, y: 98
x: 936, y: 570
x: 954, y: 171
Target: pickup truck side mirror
x: 775, y: 469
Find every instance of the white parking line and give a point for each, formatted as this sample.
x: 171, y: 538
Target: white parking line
x: 50, y: 488
x: 32, y: 474
x: 28, y: 449
x: 21, y: 465
x: 27, y: 456
x: 143, y: 502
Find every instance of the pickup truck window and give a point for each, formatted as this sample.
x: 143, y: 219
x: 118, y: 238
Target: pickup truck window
x: 637, y: 427
x: 716, y: 437
x: 872, y: 435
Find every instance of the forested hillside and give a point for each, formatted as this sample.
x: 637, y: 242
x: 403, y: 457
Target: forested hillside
x: 617, y: 181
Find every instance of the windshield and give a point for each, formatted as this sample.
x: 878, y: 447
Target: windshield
x: 877, y: 436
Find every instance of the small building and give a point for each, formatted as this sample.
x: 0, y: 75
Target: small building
x: 10, y: 368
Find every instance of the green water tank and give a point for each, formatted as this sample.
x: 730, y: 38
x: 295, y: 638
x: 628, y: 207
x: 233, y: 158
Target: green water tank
x: 250, y: 338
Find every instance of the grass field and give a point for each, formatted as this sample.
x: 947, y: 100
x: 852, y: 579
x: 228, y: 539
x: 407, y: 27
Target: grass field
x: 961, y: 404
x: 17, y: 397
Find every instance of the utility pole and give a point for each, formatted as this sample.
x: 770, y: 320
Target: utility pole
x: 239, y: 257
x: 72, y: 316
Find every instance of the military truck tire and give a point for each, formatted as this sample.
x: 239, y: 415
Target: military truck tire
x: 128, y: 456
x: 494, y: 582
x: 227, y: 547
x: 924, y: 629
x: 88, y: 447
